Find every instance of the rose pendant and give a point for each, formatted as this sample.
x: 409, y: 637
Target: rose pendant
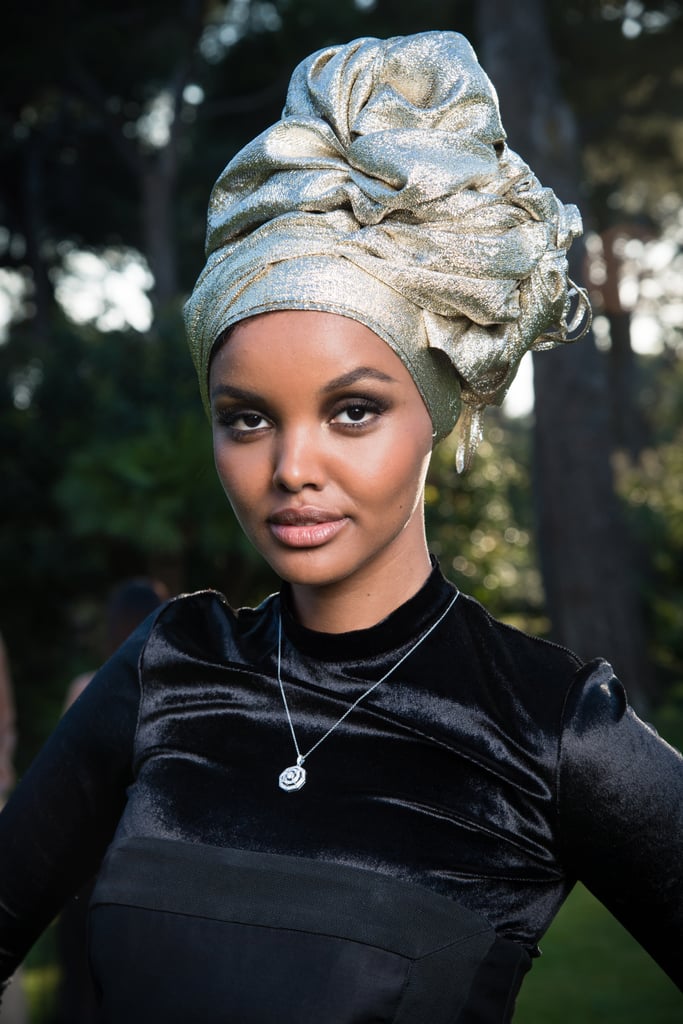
x: 292, y: 778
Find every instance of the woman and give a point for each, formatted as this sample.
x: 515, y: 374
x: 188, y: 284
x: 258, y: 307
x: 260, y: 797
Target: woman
x: 365, y: 799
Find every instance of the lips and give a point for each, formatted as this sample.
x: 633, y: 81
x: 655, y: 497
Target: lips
x: 308, y: 516
x: 305, y: 527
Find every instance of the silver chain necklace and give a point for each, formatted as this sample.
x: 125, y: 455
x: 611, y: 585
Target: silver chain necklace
x: 294, y: 777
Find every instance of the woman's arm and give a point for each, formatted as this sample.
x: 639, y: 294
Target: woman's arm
x: 621, y: 814
x: 62, y: 815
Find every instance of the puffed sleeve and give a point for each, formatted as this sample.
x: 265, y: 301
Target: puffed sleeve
x: 62, y: 815
x: 621, y: 814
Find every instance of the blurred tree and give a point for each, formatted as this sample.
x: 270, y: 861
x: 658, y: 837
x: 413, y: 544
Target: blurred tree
x: 115, y: 120
x: 145, y: 480
x: 651, y: 489
x: 585, y: 554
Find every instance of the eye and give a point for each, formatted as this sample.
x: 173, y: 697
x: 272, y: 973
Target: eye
x: 354, y: 414
x: 358, y: 413
x: 248, y: 420
x: 241, y: 423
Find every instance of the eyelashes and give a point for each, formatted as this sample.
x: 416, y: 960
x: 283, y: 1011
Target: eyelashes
x: 250, y: 421
x: 241, y: 425
x: 358, y: 413
x: 352, y: 415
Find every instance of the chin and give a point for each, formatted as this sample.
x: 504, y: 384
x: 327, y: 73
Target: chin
x: 313, y: 567
x: 332, y: 565
x: 307, y: 568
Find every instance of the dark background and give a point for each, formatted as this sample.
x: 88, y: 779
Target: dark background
x: 116, y: 118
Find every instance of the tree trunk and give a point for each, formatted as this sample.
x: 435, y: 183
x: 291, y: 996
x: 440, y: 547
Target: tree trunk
x: 157, y: 187
x: 585, y: 555
x: 629, y: 431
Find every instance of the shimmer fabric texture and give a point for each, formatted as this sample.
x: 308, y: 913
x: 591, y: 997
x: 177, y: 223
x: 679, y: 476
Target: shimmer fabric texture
x: 386, y: 193
x: 491, y: 772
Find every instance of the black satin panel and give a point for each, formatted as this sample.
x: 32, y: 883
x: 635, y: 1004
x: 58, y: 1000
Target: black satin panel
x: 490, y: 768
x: 496, y: 984
x: 265, y: 939
x: 445, y: 776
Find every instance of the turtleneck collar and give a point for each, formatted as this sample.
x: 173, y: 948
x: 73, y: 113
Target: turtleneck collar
x: 400, y: 627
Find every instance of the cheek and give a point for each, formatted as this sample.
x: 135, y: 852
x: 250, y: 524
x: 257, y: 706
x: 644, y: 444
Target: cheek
x: 235, y: 482
x: 392, y: 474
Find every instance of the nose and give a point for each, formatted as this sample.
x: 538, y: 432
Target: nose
x: 299, y: 461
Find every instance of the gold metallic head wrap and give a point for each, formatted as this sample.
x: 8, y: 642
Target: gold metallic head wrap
x: 387, y: 194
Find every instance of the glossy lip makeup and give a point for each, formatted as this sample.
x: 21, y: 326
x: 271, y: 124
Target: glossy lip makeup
x: 305, y: 527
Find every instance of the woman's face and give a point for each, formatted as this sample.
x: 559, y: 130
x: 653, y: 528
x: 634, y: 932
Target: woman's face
x: 322, y: 443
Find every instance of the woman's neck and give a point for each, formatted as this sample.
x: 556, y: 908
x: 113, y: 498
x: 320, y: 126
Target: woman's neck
x: 361, y: 600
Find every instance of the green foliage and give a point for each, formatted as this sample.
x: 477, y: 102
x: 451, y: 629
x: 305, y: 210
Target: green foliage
x: 592, y: 971
x: 652, y: 491
x: 150, y: 487
x: 104, y: 453
x: 480, y: 524
x: 620, y: 70
x: 108, y: 473
x: 143, y: 473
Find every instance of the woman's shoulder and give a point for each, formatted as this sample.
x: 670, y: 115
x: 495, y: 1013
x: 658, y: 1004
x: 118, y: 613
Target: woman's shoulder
x: 525, y: 678
x: 508, y: 644
x: 203, y: 623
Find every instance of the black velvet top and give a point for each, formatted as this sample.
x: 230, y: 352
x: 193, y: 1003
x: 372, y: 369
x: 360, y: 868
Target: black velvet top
x: 441, y: 826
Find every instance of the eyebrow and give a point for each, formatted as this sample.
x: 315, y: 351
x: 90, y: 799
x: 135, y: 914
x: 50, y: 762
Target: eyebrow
x: 353, y: 376
x: 241, y: 394
x: 345, y: 380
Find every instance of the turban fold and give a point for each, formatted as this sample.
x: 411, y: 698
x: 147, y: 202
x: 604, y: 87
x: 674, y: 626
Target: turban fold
x: 386, y: 193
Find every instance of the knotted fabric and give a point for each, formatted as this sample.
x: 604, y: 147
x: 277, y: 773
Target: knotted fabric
x: 386, y: 193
